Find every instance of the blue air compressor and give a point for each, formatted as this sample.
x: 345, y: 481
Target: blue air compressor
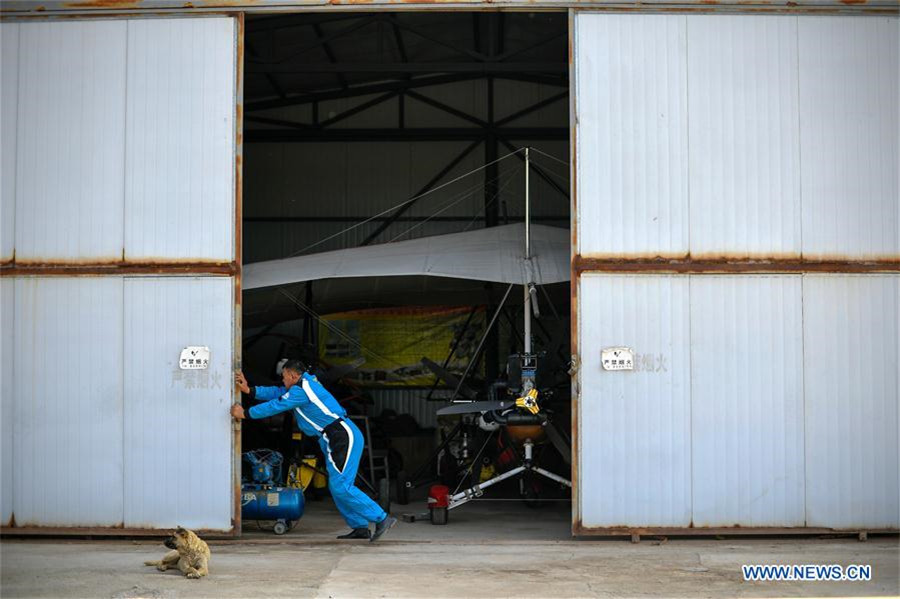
x: 262, y: 499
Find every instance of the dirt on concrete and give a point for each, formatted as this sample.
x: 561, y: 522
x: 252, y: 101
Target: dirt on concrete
x: 483, y: 552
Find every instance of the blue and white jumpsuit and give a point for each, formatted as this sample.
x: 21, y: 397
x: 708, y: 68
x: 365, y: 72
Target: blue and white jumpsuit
x: 318, y: 414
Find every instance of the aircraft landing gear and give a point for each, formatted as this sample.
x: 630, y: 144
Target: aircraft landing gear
x: 478, y: 490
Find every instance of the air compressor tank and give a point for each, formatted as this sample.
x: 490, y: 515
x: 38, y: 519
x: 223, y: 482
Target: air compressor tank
x: 262, y: 502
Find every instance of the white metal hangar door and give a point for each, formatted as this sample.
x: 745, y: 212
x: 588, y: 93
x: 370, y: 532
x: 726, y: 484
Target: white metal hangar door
x: 737, y: 229
x: 119, y: 251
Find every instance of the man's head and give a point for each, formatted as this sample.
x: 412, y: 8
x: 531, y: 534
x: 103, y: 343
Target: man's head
x: 291, y: 373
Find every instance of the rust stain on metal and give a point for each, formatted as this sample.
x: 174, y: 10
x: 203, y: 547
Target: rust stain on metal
x: 102, y: 531
x: 726, y: 265
x: 390, y: 2
x: 236, y: 425
x: 69, y: 270
x: 735, y: 256
x: 107, y: 8
x: 109, y: 261
x: 752, y: 7
x: 624, y: 530
x: 120, y: 261
x: 239, y: 152
x: 573, y: 278
x: 239, y: 118
x: 239, y: 134
x: 825, y: 257
x: 175, y: 262
x: 238, y: 261
x: 104, y: 4
x: 645, y: 256
x: 233, y: 3
x: 701, y: 6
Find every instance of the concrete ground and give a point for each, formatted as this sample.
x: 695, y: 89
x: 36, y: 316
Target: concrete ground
x: 489, y: 549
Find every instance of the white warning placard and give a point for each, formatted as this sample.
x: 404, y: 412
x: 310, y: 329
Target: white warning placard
x: 194, y: 357
x: 617, y: 358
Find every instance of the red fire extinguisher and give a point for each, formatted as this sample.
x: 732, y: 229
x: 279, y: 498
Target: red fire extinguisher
x: 439, y: 503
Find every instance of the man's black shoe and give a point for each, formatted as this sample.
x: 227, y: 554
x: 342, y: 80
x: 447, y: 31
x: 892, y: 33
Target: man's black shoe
x: 356, y: 533
x: 382, y: 527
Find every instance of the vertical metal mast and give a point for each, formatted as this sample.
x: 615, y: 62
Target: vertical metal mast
x: 527, y: 290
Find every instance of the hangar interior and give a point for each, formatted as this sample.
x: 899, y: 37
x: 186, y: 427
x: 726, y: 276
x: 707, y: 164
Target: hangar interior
x: 371, y: 128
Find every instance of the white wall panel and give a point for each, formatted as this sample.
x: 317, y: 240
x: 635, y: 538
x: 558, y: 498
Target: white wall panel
x: 849, y: 103
x: 747, y: 401
x: 178, y: 455
x: 634, y: 427
x: 9, y: 96
x: 68, y: 409
x: 7, y: 369
x: 70, y: 141
x: 744, y: 136
x: 790, y: 148
x: 632, y: 154
x: 179, y: 183
x: 852, y: 367
x: 789, y: 125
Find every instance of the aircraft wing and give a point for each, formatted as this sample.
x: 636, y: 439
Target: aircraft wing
x: 496, y: 254
x: 475, y: 407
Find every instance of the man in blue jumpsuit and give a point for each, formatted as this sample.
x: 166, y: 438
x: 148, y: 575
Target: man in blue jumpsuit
x: 318, y: 414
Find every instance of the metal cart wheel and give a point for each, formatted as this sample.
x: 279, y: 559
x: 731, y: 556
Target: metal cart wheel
x: 280, y: 527
x: 439, y: 515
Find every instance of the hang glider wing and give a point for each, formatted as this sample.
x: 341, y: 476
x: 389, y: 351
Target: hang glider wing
x: 496, y: 254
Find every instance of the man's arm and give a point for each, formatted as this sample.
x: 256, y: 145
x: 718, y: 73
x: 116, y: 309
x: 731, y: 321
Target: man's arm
x: 295, y: 398
x: 263, y: 393
x: 257, y: 393
x: 270, y: 408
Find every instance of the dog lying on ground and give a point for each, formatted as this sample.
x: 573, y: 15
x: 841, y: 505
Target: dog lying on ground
x: 190, y: 554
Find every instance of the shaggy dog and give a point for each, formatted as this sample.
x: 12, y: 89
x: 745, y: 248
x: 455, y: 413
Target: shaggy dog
x: 189, y: 553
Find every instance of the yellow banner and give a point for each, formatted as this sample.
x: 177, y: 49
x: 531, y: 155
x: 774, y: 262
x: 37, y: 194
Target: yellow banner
x: 393, y: 342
